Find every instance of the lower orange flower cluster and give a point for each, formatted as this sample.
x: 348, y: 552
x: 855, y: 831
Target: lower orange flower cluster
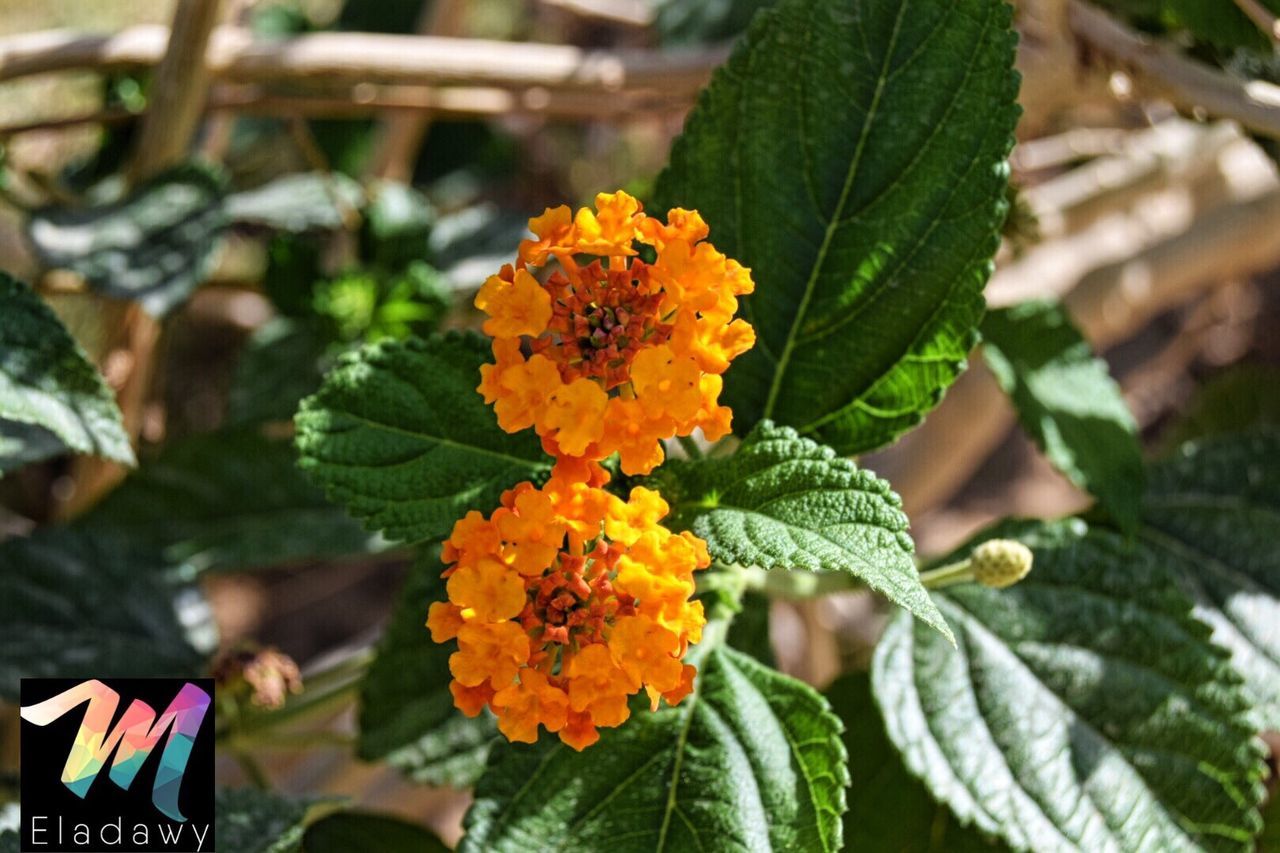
x: 565, y: 602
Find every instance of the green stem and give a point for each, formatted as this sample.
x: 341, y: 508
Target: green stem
x: 948, y: 575
x: 691, y: 448
x: 322, y: 691
x: 252, y: 770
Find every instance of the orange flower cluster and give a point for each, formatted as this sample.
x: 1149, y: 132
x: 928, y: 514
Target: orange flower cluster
x: 601, y: 352
x: 565, y: 602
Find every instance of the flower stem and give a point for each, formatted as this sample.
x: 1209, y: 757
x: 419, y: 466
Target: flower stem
x: 691, y: 448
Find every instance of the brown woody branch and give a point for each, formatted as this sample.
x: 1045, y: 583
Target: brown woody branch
x: 234, y: 55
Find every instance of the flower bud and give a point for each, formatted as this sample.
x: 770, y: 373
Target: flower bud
x: 1000, y: 563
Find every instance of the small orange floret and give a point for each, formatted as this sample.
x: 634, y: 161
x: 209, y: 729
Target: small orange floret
x: 566, y: 602
x: 602, y: 352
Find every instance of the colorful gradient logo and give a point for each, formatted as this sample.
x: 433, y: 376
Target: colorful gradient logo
x: 132, y: 738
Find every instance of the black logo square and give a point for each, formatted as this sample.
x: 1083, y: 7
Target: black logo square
x: 117, y: 764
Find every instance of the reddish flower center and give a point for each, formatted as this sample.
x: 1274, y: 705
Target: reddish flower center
x: 575, y: 601
x: 600, y: 319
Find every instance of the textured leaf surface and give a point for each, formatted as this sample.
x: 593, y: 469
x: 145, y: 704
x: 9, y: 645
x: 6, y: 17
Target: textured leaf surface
x: 52, y: 399
x: 1214, y: 509
x: 851, y: 153
x: 407, y: 716
x: 1083, y: 708
x: 1068, y: 402
x: 785, y: 502
x: 230, y: 500
x: 155, y: 246
x: 77, y: 605
x: 248, y: 820
x: 399, y: 435
x: 347, y: 832
x: 752, y: 760
x: 889, y: 809
x: 314, y: 201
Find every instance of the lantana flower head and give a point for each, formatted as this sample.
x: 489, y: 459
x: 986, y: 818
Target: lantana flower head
x: 602, y: 352
x: 565, y: 602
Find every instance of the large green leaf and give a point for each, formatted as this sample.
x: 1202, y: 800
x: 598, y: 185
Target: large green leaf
x: 751, y: 760
x: 348, y: 832
x: 155, y: 245
x: 785, y: 502
x: 52, y: 399
x: 852, y: 154
x: 399, y: 435
x: 407, y: 716
x: 889, y: 809
x: 1084, y: 708
x: 1068, y: 402
x: 1213, y: 511
x: 79, y: 605
x: 230, y: 500
x: 248, y: 820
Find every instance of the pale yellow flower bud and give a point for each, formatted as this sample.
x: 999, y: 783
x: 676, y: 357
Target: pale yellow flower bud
x: 999, y: 563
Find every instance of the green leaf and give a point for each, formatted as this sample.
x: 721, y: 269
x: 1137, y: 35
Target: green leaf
x: 1068, y: 402
x: 1269, y: 840
x: 1238, y: 399
x: 154, y: 246
x: 1213, y: 512
x: 281, y: 363
x: 785, y: 502
x: 852, y: 154
x: 312, y: 201
x: 399, y: 222
x: 230, y: 500
x: 399, y: 435
x: 75, y: 605
x: 1083, y: 708
x: 52, y: 398
x: 1222, y: 25
x: 692, y: 22
x: 889, y: 809
x: 249, y: 820
x: 407, y: 716
x: 345, y: 832
x: 749, y: 631
x: 751, y: 760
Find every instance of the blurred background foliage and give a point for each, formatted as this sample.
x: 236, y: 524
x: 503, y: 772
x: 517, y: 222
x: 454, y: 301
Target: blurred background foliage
x: 304, y: 241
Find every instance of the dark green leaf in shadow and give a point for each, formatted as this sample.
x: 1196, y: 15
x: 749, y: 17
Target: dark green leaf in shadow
x: 230, y: 500
x: 351, y: 832
x: 75, y: 604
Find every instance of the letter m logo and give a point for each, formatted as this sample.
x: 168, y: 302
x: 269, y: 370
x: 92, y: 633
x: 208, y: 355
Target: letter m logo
x: 132, y: 738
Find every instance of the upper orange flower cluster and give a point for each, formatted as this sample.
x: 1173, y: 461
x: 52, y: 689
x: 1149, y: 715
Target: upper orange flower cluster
x: 565, y: 602
x: 604, y: 353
